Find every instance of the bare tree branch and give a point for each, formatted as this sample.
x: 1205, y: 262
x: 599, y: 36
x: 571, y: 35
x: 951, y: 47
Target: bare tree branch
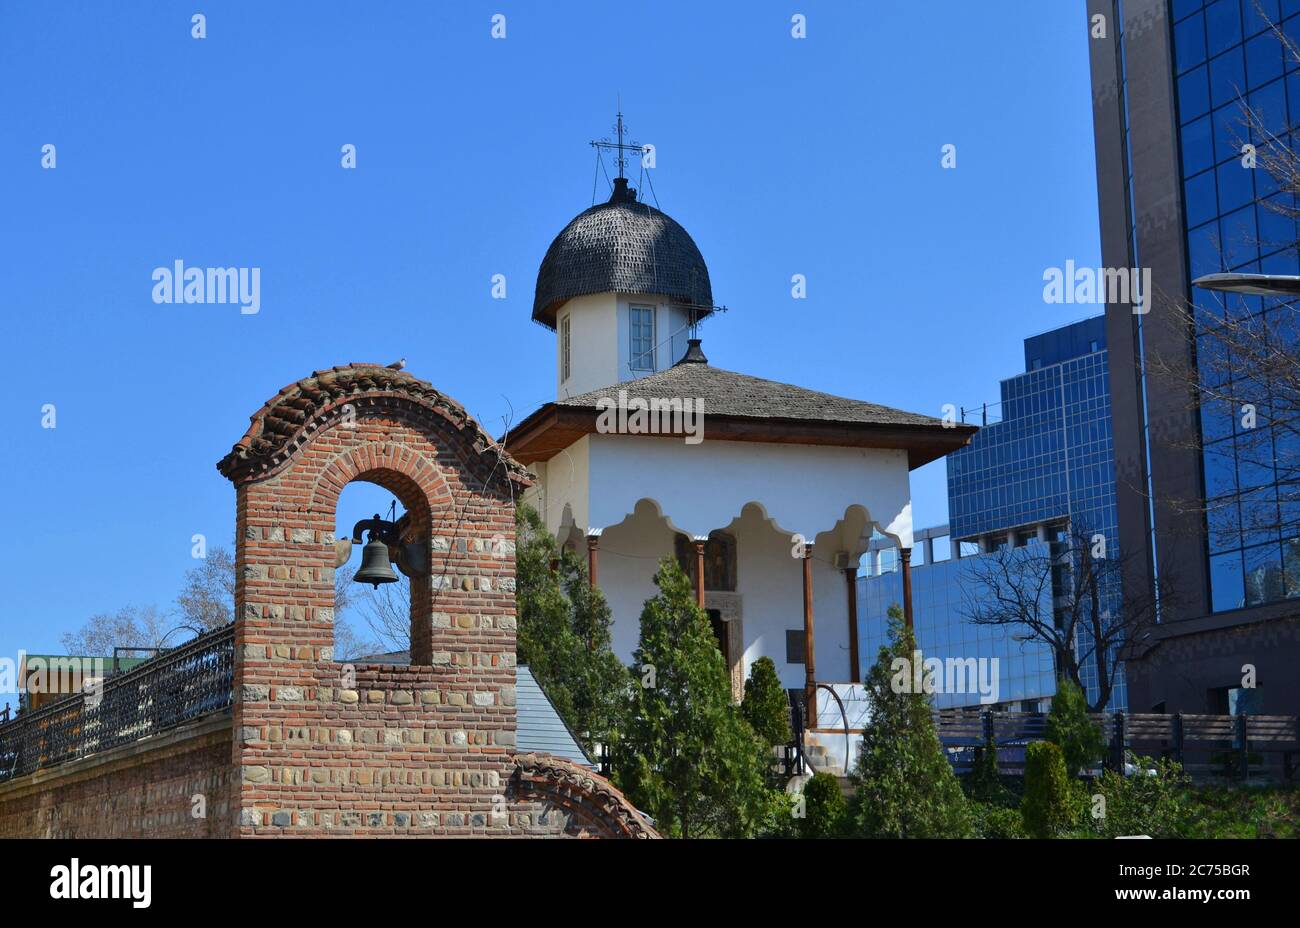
x: 1067, y: 595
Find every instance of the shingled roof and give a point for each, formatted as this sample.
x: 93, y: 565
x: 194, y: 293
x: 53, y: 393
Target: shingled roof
x: 728, y: 393
x: 740, y: 407
x: 622, y: 246
x: 279, y: 428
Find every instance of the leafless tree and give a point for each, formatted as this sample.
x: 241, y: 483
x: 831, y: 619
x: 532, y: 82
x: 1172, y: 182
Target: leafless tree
x: 206, y: 601
x: 128, y: 627
x: 1068, y: 596
x: 387, y: 612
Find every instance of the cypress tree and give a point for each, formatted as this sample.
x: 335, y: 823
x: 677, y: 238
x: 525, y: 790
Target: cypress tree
x: 1069, y: 728
x: 905, y: 786
x: 766, y: 706
x: 688, y: 758
x: 1051, y: 803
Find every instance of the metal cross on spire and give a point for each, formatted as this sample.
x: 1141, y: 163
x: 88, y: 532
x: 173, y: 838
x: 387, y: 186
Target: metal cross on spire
x: 618, y: 147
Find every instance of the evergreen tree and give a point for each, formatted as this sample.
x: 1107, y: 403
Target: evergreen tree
x: 688, y: 758
x: 905, y: 786
x: 766, y: 706
x: 597, y: 678
x: 1051, y: 803
x: 563, y: 634
x: 825, y: 811
x: 1069, y: 728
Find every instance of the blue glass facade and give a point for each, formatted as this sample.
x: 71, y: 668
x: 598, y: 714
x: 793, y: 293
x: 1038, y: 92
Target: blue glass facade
x: 1225, y: 55
x: 1051, y: 458
x: 1024, y: 669
x: 1050, y: 461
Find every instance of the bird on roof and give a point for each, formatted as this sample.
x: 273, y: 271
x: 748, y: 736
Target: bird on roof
x: 398, y: 364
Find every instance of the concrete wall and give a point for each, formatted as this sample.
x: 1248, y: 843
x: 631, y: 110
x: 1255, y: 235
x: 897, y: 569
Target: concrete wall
x: 600, y: 340
x: 593, y: 348
x: 1180, y: 671
x: 769, y: 585
x: 802, y: 488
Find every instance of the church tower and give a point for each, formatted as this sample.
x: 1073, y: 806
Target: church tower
x: 622, y: 286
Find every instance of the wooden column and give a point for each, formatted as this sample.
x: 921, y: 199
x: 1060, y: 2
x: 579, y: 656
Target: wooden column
x: 905, y: 556
x: 699, y: 572
x: 593, y: 541
x: 809, y: 660
x: 851, y: 579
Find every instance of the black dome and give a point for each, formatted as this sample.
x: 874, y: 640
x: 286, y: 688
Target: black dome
x: 621, y: 247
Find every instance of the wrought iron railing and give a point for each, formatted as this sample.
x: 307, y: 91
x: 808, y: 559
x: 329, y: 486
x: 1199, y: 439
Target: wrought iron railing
x: 193, y: 680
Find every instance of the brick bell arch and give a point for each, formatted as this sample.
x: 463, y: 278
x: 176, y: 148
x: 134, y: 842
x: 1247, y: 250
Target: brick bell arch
x: 324, y: 748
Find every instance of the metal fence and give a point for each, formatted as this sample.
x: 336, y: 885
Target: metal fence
x: 193, y: 680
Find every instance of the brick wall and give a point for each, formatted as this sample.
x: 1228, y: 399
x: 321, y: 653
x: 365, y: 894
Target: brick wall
x: 321, y: 748
x: 175, y: 785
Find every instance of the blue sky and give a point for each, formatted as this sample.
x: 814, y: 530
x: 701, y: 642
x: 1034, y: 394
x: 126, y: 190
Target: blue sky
x: 818, y: 156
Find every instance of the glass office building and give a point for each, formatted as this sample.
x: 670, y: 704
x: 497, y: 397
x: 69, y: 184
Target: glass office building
x: 1048, y: 467
x: 1045, y: 466
x: 1050, y: 459
x: 1177, y: 198
x: 1225, y: 55
x: 1023, y: 670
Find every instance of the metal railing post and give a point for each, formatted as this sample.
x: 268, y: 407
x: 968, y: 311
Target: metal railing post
x: 1117, y: 744
x: 1243, y: 746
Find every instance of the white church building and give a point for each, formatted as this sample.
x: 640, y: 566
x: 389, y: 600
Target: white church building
x: 767, y: 493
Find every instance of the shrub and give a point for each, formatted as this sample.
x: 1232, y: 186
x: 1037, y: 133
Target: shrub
x: 1143, y: 804
x: 996, y: 821
x: 1069, y: 728
x: 766, y: 706
x: 825, y: 811
x: 1244, y: 812
x: 1050, y: 805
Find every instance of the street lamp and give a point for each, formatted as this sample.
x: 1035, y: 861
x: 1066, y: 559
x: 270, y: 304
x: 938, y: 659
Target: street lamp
x: 1253, y: 284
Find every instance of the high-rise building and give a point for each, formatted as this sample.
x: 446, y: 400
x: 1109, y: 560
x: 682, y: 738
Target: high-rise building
x: 1046, y: 470
x: 1176, y: 196
x: 1040, y: 470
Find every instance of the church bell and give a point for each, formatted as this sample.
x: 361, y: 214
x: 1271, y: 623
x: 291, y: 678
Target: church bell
x: 375, y: 566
